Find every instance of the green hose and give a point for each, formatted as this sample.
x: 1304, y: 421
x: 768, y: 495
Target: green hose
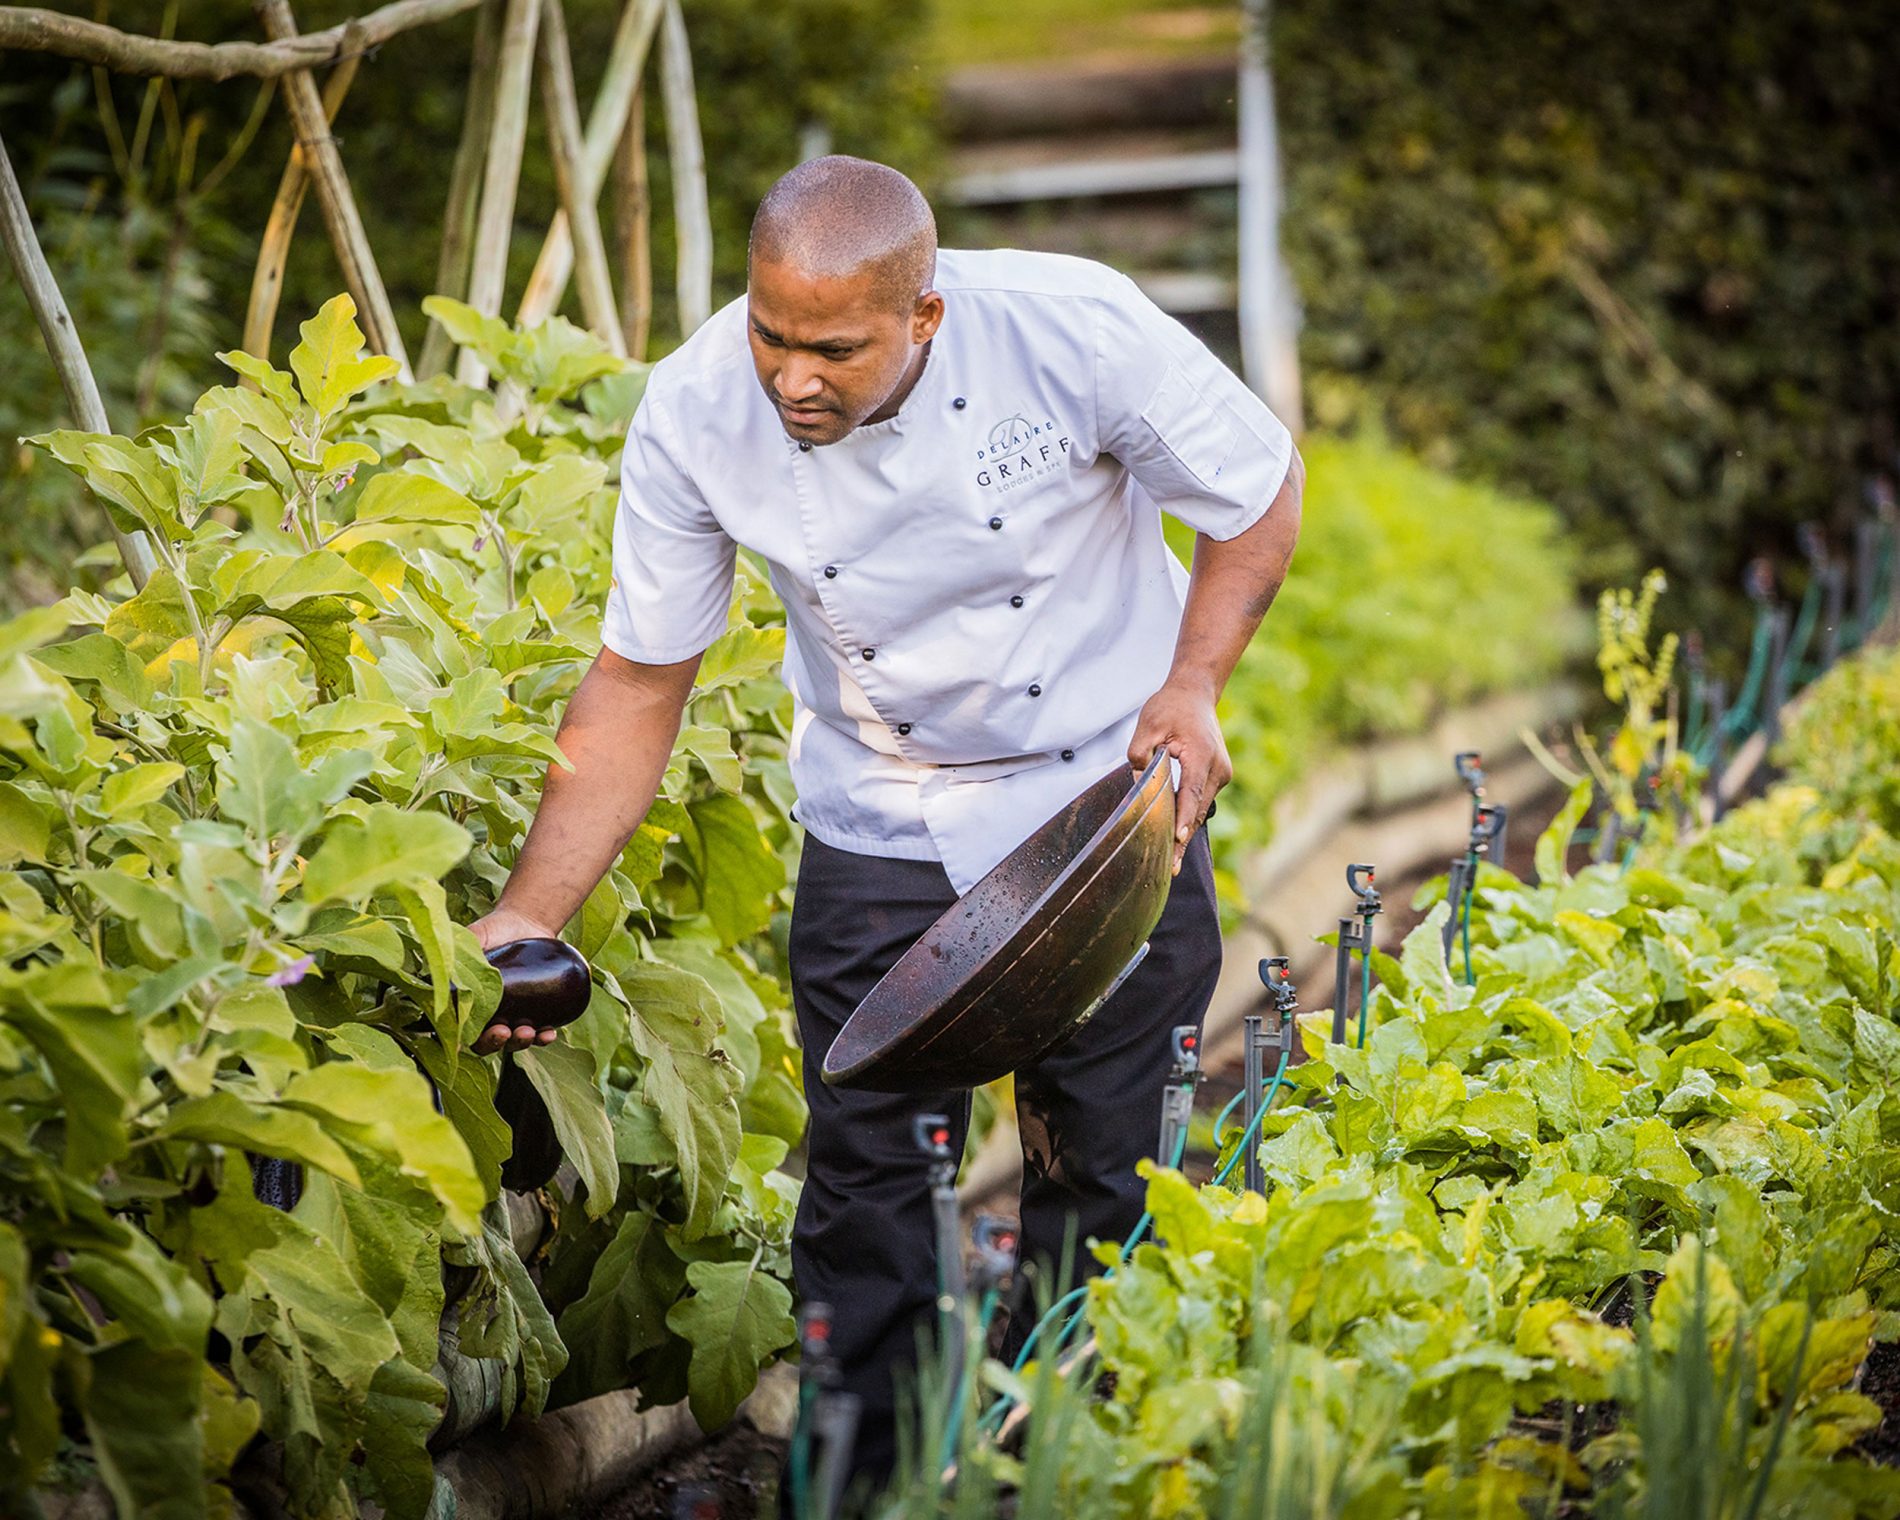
x: 1471, y: 893
x: 1365, y: 976
x: 1001, y: 1407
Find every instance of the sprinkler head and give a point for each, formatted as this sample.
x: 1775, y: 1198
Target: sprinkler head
x: 1276, y: 974
x: 1368, y: 895
x: 932, y: 1134
x: 1469, y: 764
x: 1485, y: 823
x: 995, y: 1239
x: 1187, y: 1051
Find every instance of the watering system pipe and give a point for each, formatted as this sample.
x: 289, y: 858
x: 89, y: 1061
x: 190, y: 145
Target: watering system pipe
x: 1252, y: 1069
x: 1183, y: 1079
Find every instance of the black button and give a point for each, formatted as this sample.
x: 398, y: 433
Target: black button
x: 1035, y: 690
x: 831, y: 572
x: 1015, y: 601
x: 1068, y: 754
x: 959, y: 403
x: 870, y: 654
x: 903, y: 728
x: 996, y: 524
x: 803, y: 447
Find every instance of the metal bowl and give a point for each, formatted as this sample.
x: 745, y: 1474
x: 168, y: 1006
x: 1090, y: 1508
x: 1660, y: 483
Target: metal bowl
x: 1023, y: 958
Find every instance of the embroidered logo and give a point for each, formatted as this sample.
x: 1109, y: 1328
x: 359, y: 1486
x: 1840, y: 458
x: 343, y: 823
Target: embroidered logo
x: 1018, y: 452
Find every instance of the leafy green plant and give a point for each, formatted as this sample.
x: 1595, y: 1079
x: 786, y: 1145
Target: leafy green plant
x: 1411, y: 592
x: 1673, y: 1079
x: 1844, y: 735
x: 1643, y: 770
x: 244, y: 813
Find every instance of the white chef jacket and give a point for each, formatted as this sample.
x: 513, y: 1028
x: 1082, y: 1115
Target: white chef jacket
x: 978, y: 597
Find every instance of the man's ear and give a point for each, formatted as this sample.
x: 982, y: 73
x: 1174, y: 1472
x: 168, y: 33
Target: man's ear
x: 926, y: 317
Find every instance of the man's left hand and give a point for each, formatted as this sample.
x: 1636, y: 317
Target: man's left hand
x: 1181, y: 719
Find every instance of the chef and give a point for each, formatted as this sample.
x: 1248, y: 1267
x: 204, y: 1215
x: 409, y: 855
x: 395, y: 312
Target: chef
x: 953, y: 465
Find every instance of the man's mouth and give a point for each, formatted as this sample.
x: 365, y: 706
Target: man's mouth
x: 805, y: 416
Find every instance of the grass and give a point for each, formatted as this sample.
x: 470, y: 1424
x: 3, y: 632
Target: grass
x: 973, y: 32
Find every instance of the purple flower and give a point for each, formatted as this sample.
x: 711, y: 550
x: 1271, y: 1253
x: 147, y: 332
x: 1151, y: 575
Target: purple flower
x: 296, y: 971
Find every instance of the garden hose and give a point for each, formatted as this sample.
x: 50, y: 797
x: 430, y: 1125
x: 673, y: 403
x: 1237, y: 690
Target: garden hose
x: 1797, y: 652
x: 953, y: 1432
x: 1247, y: 1137
x: 1365, y: 983
x: 1740, y: 718
x: 1471, y: 893
x: 798, y: 1463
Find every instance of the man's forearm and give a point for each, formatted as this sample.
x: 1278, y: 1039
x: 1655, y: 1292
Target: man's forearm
x: 618, y: 732
x: 1233, y: 584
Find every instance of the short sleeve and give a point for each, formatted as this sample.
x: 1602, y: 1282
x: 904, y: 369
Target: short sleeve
x: 672, y: 562
x: 1199, y: 442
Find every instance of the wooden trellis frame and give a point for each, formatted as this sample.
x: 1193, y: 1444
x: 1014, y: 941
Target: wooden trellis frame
x: 510, y: 36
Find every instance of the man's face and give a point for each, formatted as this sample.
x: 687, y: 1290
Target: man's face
x: 831, y: 352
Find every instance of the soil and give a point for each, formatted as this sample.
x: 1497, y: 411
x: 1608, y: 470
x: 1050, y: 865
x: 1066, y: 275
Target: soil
x: 1880, y: 1381
x: 732, y: 1476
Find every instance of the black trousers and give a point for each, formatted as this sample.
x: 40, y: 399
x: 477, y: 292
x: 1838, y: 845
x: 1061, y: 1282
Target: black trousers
x: 1088, y: 1112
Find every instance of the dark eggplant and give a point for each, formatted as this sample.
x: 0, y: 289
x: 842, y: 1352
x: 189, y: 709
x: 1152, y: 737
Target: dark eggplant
x: 544, y: 982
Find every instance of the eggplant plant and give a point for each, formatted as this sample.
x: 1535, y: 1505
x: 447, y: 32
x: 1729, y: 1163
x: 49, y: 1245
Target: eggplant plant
x: 245, y: 813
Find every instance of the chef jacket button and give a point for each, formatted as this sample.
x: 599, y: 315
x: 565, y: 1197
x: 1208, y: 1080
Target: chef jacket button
x: 996, y: 525
x: 959, y: 403
x: 870, y: 654
x: 1068, y: 754
x: 1015, y: 601
x: 1035, y: 690
x: 903, y: 728
x: 803, y: 447
x: 831, y: 572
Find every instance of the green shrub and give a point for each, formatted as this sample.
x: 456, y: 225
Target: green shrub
x: 1845, y: 736
x: 1411, y: 592
x: 244, y: 814
x: 1672, y: 1084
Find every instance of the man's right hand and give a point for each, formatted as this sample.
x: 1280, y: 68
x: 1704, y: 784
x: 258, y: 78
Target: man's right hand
x: 617, y: 735
x: 498, y: 928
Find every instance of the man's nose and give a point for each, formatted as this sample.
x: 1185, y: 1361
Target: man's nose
x: 799, y: 380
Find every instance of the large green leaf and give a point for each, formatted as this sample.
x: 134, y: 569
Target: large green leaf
x: 391, y: 1112
x: 405, y: 496
x: 141, y: 1407
x: 504, y: 1316
x: 224, y: 1118
x: 690, y: 1084
x: 740, y: 654
x: 68, y: 1015
x: 737, y: 1317
x: 426, y: 906
x: 1553, y: 845
x: 329, y: 362
x: 739, y: 873
x: 563, y: 1074
x: 386, y: 846
x: 265, y: 784
x: 634, y: 1283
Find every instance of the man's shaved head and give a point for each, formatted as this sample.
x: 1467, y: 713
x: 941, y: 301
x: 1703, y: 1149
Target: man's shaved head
x: 838, y: 217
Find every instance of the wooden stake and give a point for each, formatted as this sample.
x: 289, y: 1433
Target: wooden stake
x: 273, y: 250
x: 360, y: 274
x: 465, y: 177
x: 1269, y: 305
x: 29, y: 29
x: 62, y: 343
x: 488, y: 270
x: 577, y: 196
x: 692, y: 216
x: 619, y: 83
x: 633, y: 229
